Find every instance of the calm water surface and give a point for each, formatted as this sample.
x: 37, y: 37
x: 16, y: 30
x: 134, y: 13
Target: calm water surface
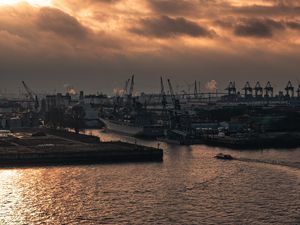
x: 188, y: 187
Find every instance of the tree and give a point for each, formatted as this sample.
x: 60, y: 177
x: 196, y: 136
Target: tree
x: 55, y: 118
x: 76, y: 118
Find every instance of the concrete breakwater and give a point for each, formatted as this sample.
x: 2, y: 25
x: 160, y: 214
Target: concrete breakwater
x: 24, y: 149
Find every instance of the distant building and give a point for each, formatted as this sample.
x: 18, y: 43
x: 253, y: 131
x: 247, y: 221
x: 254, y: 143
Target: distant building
x: 58, y: 100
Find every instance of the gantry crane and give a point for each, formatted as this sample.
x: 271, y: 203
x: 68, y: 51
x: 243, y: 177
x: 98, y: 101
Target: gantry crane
x: 269, y: 90
x: 258, y: 90
x: 248, y: 89
x: 289, y: 89
x: 231, y: 88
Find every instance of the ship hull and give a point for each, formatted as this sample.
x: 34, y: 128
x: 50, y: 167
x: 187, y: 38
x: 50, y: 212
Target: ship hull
x: 122, y: 128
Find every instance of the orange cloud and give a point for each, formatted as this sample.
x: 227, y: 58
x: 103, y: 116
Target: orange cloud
x: 225, y: 39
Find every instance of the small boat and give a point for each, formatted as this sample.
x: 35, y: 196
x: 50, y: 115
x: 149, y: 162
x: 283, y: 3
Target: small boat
x: 224, y: 156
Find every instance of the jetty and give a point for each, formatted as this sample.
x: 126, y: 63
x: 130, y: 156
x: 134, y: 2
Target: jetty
x: 52, y: 148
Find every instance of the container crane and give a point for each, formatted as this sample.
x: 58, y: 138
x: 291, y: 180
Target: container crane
x: 289, y: 89
x: 231, y: 88
x: 269, y: 90
x: 248, y: 89
x: 258, y: 90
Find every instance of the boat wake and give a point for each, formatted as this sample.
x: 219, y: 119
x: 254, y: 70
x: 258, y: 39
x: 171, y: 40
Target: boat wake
x: 272, y: 162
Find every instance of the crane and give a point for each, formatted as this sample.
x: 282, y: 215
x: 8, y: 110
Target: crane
x: 130, y: 100
x: 289, y: 89
x: 258, y: 90
x: 269, y: 89
x: 248, y: 89
x: 31, y: 95
x: 231, y: 88
x: 131, y: 86
x: 171, y: 91
x: 195, y: 90
x: 163, y: 93
x: 126, y: 86
x: 174, y: 100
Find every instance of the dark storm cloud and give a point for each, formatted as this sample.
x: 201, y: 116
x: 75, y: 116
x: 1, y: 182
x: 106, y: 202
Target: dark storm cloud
x: 172, y: 7
x: 58, y: 22
x: 85, y: 2
x: 293, y: 25
x: 260, y: 28
x: 274, y: 10
x: 165, y: 27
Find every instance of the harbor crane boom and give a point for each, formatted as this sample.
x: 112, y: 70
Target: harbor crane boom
x: 174, y: 100
x: 163, y: 93
x: 30, y: 94
x: 126, y: 87
x: 131, y: 86
x: 171, y: 90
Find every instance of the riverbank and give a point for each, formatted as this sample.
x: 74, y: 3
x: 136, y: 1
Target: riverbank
x: 277, y: 140
x: 23, y: 148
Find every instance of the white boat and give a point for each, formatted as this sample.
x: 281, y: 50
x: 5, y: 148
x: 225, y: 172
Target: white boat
x: 121, y: 127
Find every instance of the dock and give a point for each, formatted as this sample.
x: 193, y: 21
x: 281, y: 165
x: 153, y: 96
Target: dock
x: 22, y: 149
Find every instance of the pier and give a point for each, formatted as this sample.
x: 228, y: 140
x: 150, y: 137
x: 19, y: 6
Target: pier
x: 23, y: 149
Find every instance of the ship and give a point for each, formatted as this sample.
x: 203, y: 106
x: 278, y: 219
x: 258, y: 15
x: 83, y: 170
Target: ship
x: 122, y: 127
x: 130, y: 129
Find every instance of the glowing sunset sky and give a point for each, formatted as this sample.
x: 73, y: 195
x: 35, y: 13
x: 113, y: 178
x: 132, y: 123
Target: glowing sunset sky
x: 97, y: 44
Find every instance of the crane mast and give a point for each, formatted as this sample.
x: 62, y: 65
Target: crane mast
x: 195, y: 89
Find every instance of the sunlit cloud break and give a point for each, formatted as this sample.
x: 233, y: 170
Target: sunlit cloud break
x: 81, y: 41
x: 32, y: 2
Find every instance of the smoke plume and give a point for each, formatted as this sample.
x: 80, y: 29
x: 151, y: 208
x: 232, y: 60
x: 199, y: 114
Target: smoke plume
x: 70, y: 89
x: 211, y: 85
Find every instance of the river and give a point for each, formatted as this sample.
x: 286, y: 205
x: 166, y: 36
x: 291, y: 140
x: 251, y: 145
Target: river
x: 188, y: 187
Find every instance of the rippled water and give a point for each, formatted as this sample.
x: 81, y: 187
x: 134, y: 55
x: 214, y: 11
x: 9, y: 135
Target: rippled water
x: 188, y: 187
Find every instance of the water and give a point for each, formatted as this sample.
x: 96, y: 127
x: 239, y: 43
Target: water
x: 189, y: 187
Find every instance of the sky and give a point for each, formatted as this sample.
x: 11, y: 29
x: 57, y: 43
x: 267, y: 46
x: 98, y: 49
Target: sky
x: 95, y: 45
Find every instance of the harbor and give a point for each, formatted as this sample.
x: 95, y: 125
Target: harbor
x: 152, y: 112
x: 247, y: 117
